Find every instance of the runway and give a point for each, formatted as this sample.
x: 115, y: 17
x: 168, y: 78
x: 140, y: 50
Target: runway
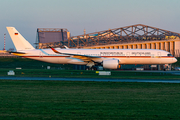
x: 92, y: 79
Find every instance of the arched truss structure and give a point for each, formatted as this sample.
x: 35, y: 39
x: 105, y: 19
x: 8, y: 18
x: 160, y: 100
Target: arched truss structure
x: 128, y: 34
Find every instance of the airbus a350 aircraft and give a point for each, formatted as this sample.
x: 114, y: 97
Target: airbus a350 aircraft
x: 108, y: 58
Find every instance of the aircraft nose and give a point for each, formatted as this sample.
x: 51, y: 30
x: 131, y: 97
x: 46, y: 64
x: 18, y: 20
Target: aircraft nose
x: 174, y: 60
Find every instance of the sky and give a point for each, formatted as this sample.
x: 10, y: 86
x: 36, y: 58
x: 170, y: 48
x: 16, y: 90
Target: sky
x: 93, y: 15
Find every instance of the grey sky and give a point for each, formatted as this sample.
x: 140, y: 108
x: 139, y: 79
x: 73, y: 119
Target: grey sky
x: 92, y: 15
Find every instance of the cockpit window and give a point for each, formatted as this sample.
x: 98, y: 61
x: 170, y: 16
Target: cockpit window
x: 170, y: 55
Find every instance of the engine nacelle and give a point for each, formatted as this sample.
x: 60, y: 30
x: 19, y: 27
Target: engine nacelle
x: 111, y: 64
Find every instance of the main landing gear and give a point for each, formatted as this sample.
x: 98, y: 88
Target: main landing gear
x: 91, y: 68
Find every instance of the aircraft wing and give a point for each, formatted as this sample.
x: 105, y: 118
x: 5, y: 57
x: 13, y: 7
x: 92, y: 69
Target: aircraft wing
x: 85, y: 58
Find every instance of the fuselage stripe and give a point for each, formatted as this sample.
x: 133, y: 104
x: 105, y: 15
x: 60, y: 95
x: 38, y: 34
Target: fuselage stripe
x: 106, y: 56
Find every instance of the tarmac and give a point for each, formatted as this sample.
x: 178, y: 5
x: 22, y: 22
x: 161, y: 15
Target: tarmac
x: 92, y: 79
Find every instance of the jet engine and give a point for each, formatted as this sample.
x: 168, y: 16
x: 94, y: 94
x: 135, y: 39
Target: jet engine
x: 111, y: 64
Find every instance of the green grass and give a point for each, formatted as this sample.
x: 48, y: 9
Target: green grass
x: 32, y: 68
x: 89, y: 74
x: 88, y: 100
x: 25, y: 63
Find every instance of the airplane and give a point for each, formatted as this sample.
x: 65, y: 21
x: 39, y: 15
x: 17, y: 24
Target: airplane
x: 107, y: 58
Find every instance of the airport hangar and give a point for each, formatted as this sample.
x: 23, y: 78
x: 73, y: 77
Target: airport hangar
x: 130, y: 37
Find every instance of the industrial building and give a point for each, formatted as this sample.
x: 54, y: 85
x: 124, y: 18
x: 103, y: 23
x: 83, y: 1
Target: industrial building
x: 130, y: 37
x: 51, y: 36
x: 4, y: 54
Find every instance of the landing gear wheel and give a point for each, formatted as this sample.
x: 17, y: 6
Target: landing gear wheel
x: 93, y: 68
x: 87, y: 68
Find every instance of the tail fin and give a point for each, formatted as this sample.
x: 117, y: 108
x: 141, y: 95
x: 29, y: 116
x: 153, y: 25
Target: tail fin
x: 19, y: 41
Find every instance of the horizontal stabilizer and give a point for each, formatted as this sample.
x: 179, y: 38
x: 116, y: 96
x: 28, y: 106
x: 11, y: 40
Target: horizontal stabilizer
x: 16, y: 52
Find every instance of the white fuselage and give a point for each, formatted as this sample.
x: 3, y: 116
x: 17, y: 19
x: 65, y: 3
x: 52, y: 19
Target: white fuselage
x: 125, y: 56
x: 108, y: 58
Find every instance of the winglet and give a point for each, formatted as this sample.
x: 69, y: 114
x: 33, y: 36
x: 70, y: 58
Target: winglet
x: 66, y: 47
x: 54, y: 50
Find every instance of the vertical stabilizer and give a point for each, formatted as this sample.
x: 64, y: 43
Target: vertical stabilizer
x: 19, y: 41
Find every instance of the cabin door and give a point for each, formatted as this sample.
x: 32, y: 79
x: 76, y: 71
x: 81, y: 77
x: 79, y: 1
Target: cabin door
x: 128, y: 55
x: 159, y: 54
x: 41, y: 54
